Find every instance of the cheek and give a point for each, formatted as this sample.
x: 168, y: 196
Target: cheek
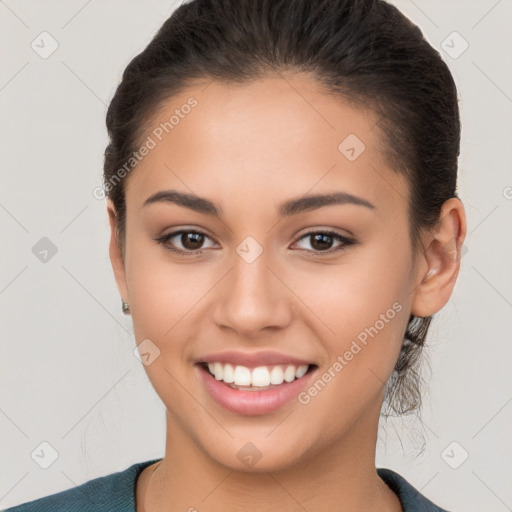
x: 161, y: 293
x: 351, y: 295
x: 364, y: 303
x: 368, y: 325
x: 163, y: 296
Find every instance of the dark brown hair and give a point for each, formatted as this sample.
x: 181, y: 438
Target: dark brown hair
x: 364, y: 51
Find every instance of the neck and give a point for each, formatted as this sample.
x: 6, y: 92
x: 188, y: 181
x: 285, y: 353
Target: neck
x: 340, y: 477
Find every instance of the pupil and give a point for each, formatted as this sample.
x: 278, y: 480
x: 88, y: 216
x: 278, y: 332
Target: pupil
x: 196, y: 240
x: 325, y: 241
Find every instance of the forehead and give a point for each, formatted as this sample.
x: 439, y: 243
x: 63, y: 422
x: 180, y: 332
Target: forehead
x: 274, y: 137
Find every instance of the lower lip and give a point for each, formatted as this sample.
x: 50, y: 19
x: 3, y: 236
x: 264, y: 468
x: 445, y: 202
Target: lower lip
x: 252, y: 402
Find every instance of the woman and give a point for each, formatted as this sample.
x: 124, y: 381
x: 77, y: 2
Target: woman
x: 281, y: 190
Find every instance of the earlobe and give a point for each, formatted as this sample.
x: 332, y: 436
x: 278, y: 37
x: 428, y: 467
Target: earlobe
x: 116, y: 257
x: 443, y: 248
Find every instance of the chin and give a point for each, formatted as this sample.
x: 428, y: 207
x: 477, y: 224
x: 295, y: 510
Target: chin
x: 258, y: 455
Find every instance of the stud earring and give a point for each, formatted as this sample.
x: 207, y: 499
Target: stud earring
x: 125, y: 307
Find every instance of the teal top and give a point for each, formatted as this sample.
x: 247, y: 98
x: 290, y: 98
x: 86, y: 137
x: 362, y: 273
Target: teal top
x: 116, y: 493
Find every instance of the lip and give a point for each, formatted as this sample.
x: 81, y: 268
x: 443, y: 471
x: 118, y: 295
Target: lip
x: 252, y: 359
x: 252, y: 403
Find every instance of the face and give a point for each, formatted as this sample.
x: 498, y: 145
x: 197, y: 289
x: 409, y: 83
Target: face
x: 256, y: 275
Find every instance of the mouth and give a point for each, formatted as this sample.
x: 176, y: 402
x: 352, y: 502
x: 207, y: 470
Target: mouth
x: 254, y: 390
x: 259, y: 378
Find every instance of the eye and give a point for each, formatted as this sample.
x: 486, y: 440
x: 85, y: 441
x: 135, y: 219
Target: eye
x: 321, y: 241
x: 191, y: 241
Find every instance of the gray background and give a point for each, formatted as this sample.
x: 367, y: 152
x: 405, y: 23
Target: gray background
x: 68, y: 374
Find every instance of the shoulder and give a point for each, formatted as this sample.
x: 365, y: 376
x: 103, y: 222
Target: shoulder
x: 412, y: 500
x: 114, y: 492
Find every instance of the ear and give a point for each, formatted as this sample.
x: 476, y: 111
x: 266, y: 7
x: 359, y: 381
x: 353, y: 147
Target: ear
x: 116, y: 257
x: 441, y: 260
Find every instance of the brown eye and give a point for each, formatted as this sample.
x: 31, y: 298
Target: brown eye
x: 191, y: 242
x: 322, y: 241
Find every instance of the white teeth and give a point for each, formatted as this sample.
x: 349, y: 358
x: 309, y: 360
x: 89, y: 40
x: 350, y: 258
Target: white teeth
x: 229, y: 374
x: 289, y: 373
x: 242, y: 376
x: 218, y: 370
x: 261, y: 377
x: 276, y: 375
x: 301, y: 371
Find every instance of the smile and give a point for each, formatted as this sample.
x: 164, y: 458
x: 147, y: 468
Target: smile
x: 253, y: 379
x: 254, y: 384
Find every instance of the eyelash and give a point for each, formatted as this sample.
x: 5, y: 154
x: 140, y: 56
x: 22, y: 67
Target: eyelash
x: 346, y: 242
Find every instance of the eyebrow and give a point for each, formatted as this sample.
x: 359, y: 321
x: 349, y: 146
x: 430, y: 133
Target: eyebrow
x: 286, y: 209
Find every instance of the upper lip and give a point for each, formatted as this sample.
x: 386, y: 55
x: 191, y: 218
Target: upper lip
x: 252, y: 359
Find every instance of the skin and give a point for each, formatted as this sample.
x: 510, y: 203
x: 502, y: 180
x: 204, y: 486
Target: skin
x: 249, y: 148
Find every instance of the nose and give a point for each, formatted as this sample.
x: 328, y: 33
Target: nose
x: 252, y: 298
